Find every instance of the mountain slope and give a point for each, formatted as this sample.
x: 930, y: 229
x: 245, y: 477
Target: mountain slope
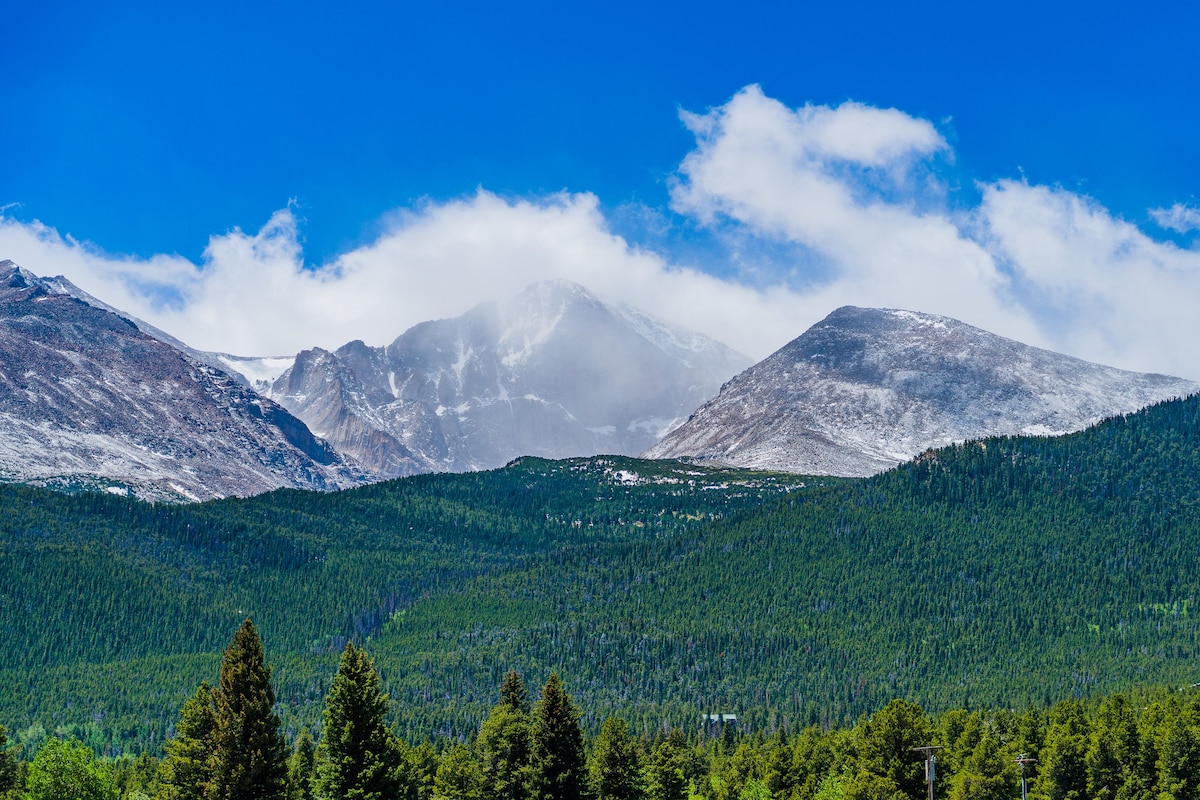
x: 865, y: 389
x: 553, y: 372
x: 999, y: 573
x: 88, y: 399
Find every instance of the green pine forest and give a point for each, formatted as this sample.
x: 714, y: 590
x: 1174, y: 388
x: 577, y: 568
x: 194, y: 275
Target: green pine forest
x: 1009, y: 573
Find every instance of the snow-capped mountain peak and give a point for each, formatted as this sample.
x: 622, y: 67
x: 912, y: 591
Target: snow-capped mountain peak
x: 865, y: 389
x: 552, y: 371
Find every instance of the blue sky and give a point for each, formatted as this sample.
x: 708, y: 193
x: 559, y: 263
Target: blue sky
x: 226, y: 169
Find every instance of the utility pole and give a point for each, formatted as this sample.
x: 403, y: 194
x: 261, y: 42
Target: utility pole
x: 1023, y: 759
x: 930, y: 764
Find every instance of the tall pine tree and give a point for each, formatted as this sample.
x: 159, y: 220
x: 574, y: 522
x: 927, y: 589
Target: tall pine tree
x: 458, y: 776
x: 504, y: 742
x: 616, y: 768
x: 558, y: 771
x: 664, y: 774
x: 1062, y: 771
x: 302, y: 767
x: 249, y: 754
x: 513, y: 693
x: 186, y: 772
x: 359, y: 754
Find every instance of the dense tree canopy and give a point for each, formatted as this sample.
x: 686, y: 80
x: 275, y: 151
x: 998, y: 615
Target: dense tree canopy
x: 186, y: 772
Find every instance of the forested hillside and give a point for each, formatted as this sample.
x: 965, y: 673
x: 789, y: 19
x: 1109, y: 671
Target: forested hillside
x: 113, y: 608
x: 1001, y: 573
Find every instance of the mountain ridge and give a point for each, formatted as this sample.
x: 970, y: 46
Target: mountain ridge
x: 866, y: 389
x: 552, y: 372
x: 87, y: 399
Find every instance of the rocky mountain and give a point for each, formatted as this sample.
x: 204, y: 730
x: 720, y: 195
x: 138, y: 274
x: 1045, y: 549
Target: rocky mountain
x: 865, y: 389
x: 553, y: 372
x: 89, y: 399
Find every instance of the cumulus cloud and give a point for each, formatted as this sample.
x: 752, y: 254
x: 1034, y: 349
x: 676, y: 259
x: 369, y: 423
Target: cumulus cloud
x: 253, y: 295
x: 1100, y: 286
x: 854, y: 194
x: 857, y: 187
x: 842, y: 183
x: 1178, y: 218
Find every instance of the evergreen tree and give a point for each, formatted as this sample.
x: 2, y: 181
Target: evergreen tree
x: 302, y: 767
x: 780, y: 771
x: 136, y: 779
x: 870, y: 786
x: 616, y: 762
x: 359, y: 752
x: 987, y: 774
x: 558, y: 771
x: 186, y: 772
x: 885, y: 745
x: 755, y: 790
x: 503, y: 748
x: 1178, y: 760
x: 664, y: 774
x: 420, y: 766
x: 249, y: 754
x: 1113, y: 750
x: 813, y: 760
x: 458, y: 776
x: 68, y: 771
x: 513, y: 693
x: 1151, y: 723
x: 8, y: 764
x: 746, y: 763
x: 1062, y: 773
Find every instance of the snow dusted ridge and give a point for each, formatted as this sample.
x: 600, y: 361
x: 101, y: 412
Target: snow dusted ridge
x: 866, y: 389
x: 91, y: 396
x: 88, y: 398
x: 552, y: 372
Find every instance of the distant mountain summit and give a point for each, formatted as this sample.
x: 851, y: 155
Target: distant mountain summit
x: 866, y: 389
x: 87, y: 399
x: 553, y: 372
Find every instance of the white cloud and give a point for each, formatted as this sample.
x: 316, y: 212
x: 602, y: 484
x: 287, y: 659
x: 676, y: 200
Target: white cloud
x: 1102, y: 287
x: 1178, y: 218
x: 252, y: 295
x: 854, y: 189
x: 885, y: 241
x: 1044, y: 266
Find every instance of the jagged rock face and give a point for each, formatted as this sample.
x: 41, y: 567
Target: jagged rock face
x: 552, y: 373
x: 86, y: 398
x: 866, y: 389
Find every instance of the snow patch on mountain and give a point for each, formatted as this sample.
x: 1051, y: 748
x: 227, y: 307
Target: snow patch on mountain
x: 259, y: 373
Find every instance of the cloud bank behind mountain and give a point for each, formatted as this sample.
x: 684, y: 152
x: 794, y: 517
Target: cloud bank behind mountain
x: 804, y: 210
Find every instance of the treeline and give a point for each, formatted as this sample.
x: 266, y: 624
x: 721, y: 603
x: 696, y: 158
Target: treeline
x: 229, y: 743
